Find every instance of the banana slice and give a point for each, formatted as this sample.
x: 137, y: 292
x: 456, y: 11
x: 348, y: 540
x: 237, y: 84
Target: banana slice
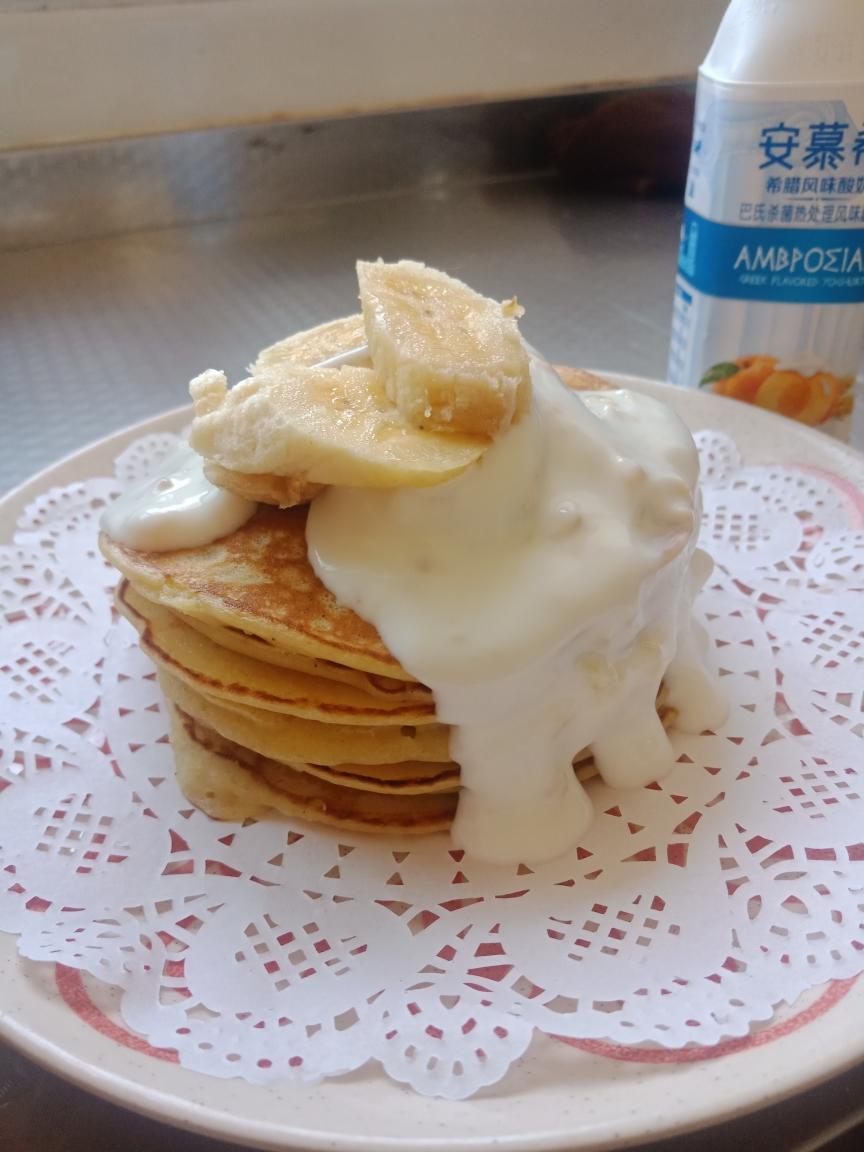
x: 263, y: 488
x: 314, y: 345
x: 450, y: 358
x: 306, y: 348
x: 320, y: 426
x: 450, y: 372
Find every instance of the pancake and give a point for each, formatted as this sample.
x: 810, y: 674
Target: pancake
x: 236, y: 640
x: 415, y: 777
x: 411, y: 777
x: 230, y: 782
x: 290, y: 747
x: 293, y: 739
x: 227, y: 675
x: 258, y: 579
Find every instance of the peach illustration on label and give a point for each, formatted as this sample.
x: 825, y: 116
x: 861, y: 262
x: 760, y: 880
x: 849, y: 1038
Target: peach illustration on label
x: 808, y: 398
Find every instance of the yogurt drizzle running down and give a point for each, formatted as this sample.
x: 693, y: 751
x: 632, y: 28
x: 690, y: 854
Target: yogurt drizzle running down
x: 542, y: 596
x: 176, y: 508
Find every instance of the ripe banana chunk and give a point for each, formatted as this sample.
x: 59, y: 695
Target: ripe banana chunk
x: 320, y: 426
x: 313, y: 345
x: 450, y: 359
x: 307, y: 348
x: 263, y: 488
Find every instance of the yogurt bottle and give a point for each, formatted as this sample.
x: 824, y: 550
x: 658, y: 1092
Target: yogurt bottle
x: 769, y: 297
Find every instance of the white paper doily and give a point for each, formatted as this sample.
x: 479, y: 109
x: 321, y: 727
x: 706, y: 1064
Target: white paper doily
x: 278, y: 951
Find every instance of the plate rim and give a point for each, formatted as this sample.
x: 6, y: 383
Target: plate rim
x: 119, y: 1085
x: 117, y: 1089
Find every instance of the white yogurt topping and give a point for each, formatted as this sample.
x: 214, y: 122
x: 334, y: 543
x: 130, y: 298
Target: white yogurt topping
x: 542, y: 595
x: 178, y: 507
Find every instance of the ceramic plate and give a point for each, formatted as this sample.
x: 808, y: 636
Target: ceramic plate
x: 562, y: 1095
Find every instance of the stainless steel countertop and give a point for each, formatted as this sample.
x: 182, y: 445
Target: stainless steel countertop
x: 97, y: 334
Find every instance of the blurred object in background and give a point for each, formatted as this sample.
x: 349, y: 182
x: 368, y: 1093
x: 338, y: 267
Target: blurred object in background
x: 634, y: 143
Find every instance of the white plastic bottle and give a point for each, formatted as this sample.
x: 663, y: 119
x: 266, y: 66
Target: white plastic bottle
x: 769, y: 298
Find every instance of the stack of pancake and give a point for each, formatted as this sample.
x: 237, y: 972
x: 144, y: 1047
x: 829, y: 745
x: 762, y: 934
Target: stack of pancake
x: 281, y: 699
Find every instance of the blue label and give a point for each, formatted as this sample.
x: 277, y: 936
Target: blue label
x: 780, y: 265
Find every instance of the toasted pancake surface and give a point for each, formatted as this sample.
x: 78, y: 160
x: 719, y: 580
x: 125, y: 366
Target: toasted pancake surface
x: 235, y: 640
x: 295, y: 739
x: 219, y: 672
x: 230, y: 782
x: 258, y: 579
